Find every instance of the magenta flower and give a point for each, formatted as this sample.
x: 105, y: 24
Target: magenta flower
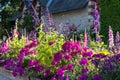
x: 60, y: 72
x: 82, y: 77
x: 54, y: 63
x: 63, y: 67
x: 53, y: 78
x: 70, y: 67
x: 4, y: 48
x: 51, y: 43
x: 99, y: 56
x: 38, y: 68
x: 18, y: 71
x: 32, y: 63
x: 97, y: 77
x: 57, y: 57
x: 85, y: 70
x: 87, y: 54
x: 71, y: 46
x: 68, y: 56
x: 67, y: 78
x: 46, y: 73
x: 111, y: 37
x: 9, y: 63
x: 83, y: 61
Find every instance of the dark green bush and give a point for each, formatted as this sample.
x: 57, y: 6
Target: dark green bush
x: 110, y: 16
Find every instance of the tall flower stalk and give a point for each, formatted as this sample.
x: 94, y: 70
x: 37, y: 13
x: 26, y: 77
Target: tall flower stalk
x: 49, y: 20
x: 117, y: 41
x: 111, y: 37
x: 96, y: 23
x: 85, y: 39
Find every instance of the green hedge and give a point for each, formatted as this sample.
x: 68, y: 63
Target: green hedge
x: 110, y: 15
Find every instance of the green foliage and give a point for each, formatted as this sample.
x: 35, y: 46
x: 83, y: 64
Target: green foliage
x: 99, y: 47
x: 110, y: 15
x: 7, y: 14
x: 45, y: 51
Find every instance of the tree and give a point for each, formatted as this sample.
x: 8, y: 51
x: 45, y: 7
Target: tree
x: 8, y: 8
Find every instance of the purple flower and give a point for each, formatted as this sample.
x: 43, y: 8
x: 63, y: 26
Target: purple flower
x: 47, y: 72
x: 63, y: 67
x: 85, y: 70
x: 33, y: 35
x: 98, y: 38
x: 96, y: 62
x: 83, y: 61
x: 38, y: 67
x: 97, y: 77
x: 96, y: 20
x: 9, y: 63
x: 18, y: 71
x: 57, y: 57
x: 117, y: 40
x: 60, y: 72
x: 68, y: 56
x: 82, y: 77
x: 67, y: 77
x: 54, y: 63
x: 87, y: 54
x: 51, y: 43
x: 53, y: 78
x: 32, y: 63
x: 70, y: 67
x: 99, y: 56
x: 23, y: 52
x: 111, y: 37
x: 4, y: 48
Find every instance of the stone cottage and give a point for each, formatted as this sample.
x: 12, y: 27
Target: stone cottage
x: 78, y: 12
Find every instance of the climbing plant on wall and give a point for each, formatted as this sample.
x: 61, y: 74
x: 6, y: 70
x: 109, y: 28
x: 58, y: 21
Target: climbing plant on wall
x: 110, y: 16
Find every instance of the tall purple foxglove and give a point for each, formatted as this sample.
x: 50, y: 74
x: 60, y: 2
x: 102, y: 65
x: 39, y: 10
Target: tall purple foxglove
x: 96, y: 20
x: 49, y: 20
x: 111, y: 37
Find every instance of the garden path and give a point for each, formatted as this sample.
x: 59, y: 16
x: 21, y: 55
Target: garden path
x: 2, y: 77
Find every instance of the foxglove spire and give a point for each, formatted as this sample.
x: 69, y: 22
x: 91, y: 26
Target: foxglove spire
x: 85, y: 39
x: 111, y: 37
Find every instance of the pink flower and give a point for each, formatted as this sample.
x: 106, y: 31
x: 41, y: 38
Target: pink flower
x: 111, y: 37
x: 85, y: 39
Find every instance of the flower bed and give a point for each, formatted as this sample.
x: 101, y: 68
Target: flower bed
x: 50, y: 57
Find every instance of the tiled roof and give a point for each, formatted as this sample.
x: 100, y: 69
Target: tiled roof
x: 63, y: 5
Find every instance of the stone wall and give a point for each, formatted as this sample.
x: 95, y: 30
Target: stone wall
x: 77, y: 17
